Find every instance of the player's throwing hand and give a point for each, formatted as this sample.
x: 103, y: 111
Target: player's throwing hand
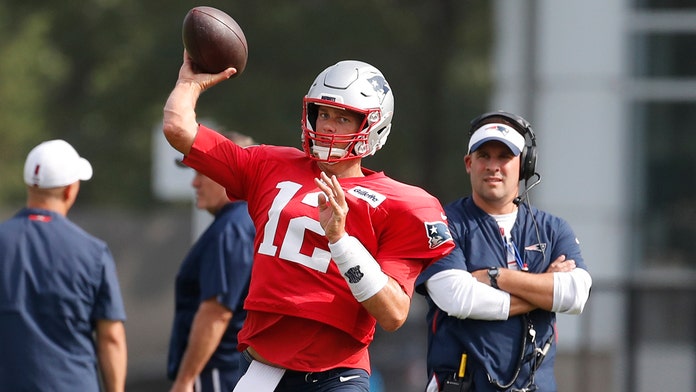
x: 203, y: 81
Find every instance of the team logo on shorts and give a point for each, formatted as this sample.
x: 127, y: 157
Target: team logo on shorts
x: 354, y: 274
x: 438, y: 233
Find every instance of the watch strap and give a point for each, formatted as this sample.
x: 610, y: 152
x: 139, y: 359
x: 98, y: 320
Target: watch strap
x: 493, y: 273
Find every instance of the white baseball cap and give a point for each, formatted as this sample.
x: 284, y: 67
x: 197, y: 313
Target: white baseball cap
x: 500, y: 132
x: 55, y: 163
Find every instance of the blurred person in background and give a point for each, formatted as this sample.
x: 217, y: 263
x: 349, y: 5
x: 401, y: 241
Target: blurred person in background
x: 61, y: 311
x: 210, y: 289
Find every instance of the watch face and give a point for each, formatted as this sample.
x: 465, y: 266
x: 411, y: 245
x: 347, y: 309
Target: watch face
x: 493, y: 276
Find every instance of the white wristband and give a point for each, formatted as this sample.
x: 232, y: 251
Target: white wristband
x: 362, y: 272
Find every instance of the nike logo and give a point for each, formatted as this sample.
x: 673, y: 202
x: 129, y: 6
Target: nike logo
x: 344, y: 379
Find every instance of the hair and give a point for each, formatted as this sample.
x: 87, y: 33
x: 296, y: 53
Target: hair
x: 54, y: 192
x: 239, y: 139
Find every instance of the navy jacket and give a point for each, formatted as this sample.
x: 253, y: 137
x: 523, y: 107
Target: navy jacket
x: 217, y: 265
x: 494, y: 347
x: 56, y: 281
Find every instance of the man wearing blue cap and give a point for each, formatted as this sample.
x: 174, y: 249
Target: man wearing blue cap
x: 61, y: 311
x: 493, y: 300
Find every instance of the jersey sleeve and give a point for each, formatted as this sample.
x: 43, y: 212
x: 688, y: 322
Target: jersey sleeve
x: 414, y: 239
x: 220, y: 159
x: 453, y: 260
x: 109, y: 302
x: 567, y: 244
x: 244, y: 172
x: 227, y: 264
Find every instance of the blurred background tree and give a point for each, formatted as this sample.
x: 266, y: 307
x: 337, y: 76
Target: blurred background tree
x: 97, y: 73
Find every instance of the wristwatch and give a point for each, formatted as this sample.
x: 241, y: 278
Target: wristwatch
x: 493, y: 274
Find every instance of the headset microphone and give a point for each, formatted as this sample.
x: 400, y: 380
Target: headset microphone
x: 521, y: 197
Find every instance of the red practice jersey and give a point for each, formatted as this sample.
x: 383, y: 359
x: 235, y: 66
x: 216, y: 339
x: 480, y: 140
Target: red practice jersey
x: 301, y: 313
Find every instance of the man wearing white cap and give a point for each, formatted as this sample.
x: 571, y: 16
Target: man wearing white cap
x: 493, y: 300
x: 61, y: 311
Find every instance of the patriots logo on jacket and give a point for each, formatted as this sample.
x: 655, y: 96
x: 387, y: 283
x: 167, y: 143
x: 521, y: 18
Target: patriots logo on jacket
x: 536, y: 247
x: 438, y: 233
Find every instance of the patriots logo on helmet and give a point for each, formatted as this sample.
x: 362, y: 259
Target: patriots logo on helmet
x: 379, y: 83
x: 438, y: 233
x: 354, y: 275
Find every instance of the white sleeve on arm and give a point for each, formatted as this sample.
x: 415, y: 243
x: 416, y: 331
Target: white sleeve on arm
x: 570, y: 291
x: 459, y: 294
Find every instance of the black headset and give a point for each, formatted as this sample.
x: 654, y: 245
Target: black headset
x: 528, y: 156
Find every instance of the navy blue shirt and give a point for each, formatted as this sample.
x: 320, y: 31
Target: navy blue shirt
x: 56, y: 281
x: 218, y: 265
x: 494, y: 347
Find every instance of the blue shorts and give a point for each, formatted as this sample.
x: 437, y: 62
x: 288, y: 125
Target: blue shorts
x: 334, y: 380
x: 216, y: 380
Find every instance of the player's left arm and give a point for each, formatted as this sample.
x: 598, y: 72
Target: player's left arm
x: 382, y: 296
x: 389, y: 306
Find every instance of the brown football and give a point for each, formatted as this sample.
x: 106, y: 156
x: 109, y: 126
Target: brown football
x: 214, y: 40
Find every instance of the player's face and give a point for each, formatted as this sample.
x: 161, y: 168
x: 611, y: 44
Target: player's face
x: 337, y: 122
x: 494, y: 173
x: 210, y: 195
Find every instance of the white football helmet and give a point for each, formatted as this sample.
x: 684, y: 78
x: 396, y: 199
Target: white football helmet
x: 355, y: 86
